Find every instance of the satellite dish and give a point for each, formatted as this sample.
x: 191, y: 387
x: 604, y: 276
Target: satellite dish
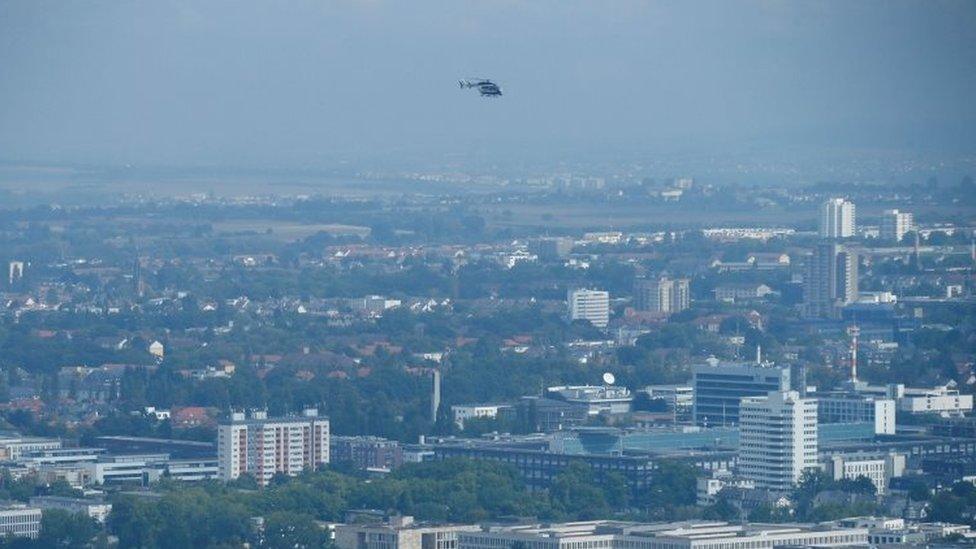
x: 608, y: 378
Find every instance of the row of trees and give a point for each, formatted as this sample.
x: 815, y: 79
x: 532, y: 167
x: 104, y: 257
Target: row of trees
x: 458, y: 490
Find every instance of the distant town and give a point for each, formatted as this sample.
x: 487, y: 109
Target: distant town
x: 487, y: 367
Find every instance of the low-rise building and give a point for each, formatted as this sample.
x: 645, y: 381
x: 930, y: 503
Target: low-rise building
x: 13, y: 447
x: 742, y: 292
x: 464, y: 412
x: 595, y: 399
x: 679, y: 399
x: 945, y: 400
x: 367, y: 453
x: 399, y: 533
x: 20, y: 520
x: 96, y: 509
x: 608, y: 534
x: 879, y: 469
x: 847, y: 407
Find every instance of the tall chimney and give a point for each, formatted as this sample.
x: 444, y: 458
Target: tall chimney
x: 435, y: 394
x: 853, y: 331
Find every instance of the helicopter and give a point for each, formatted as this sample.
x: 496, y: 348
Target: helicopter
x: 486, y: 87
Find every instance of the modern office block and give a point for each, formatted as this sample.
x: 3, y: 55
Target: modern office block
x: 777, y: 439
x: 591, y: 305
x: 719, y: 387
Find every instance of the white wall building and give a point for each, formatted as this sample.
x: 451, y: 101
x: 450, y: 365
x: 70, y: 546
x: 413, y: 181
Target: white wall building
x: 879, y: 469
x: 894, y: 224
x: 592, y: 305
x: 945, y: 400
x: 464, y: 412
x: 777, y: 439
x: 13, y: 448
x: 837, y: 218
x: 399, y: 533
x: 262, y: 446
x: 20, y: 521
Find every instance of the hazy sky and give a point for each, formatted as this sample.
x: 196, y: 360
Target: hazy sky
x: 283, y: 83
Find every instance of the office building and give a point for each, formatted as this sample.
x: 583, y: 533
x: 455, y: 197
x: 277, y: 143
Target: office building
x: 878, y: 468
x: 693, y: 534
x: 945, y: 400
x: 595, y: 399
x: 719, y: 386
x: 679, y: 399
x: 144, y: 469
x: 539, y: 467
x: 96, y: 509
x: 837, y: 219
x: 262, y: 446
x: 777, y: 439
x: 12, y: 448
x: 591, y: 305
x: 849, y: 407
x: 894, y: 225
x: 399, y: 532
x: 661, y: 295
x: 464, y: 412
x: 831, y: 280
x: 549, y: 414
x: 366, y: 453
x: 18, y: 520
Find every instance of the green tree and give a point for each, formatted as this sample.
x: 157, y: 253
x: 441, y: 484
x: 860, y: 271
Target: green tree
x: 293, y: 531
x: 60, y: 528
x: 575, y: 493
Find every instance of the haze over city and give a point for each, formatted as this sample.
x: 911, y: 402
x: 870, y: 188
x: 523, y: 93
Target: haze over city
x: 487, y: 275
x: 307, y: 84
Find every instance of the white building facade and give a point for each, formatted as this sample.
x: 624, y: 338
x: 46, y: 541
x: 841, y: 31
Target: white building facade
x: 20, y: 521
x: 777, y: 439
x: 591, y: 305
x: 837, y: 218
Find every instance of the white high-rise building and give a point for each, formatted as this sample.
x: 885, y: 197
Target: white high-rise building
x: 777, y: 439
x: 837, y: 218
x: 262, y: 446
x: 592, y: 305
x: 894, y: 224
